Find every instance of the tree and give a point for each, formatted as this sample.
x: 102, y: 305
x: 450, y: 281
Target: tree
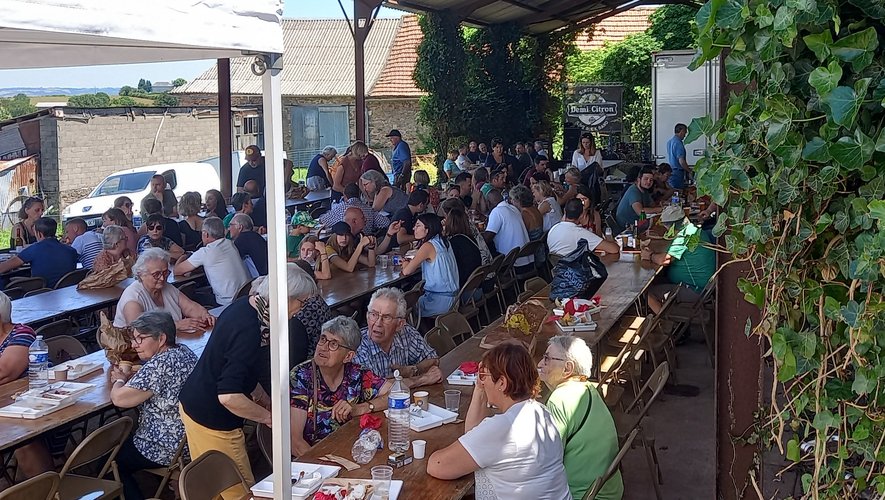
x: 18, y: 105
x: 671, y: 25
x: 126, y: 90
x: 98, y: 100
x: 178, y: 82
x: 165, y: 100
x: 145, y: 85
x: 122, y: 101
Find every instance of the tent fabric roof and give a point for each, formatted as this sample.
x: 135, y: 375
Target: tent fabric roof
x: 59, y: 33
x: 538, y: 16
x: 318, y: 60
x: 615, y: 28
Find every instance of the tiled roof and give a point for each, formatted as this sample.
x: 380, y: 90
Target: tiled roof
x: 318, y: 60
x: 615, y: 28
x: 396, y: 78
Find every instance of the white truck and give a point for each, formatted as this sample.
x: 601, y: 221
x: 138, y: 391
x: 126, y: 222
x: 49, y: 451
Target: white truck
x: 678, y: 96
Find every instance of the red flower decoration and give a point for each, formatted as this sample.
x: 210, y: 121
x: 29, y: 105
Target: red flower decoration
x: 369, y: 421
x: 469, y: 367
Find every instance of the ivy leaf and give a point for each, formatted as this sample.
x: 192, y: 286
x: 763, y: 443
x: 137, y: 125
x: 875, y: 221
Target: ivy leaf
x: 847, y: 153
x: 877, y: 209
x: 788, y: 366
x: 824, y: 80
x: 816, y: 150
x: 699, y: 127
x: 843, y: 103
x: 793, y: 450
x: 831, y: 308
x: 764, y: 17
x: 819, y: 43
x: 737, y: 70
x: 880, y: 143
x: 729, y: 16
x: 864, y: 381
x: 825, y: 419
x: 778, y: 127
x: 841, y: 221
x: 870, y: 8
x: 851, y: 313
x: 857, y: 48
x: 703, y: 18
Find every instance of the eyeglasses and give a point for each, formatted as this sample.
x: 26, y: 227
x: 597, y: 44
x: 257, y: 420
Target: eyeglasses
x: 332, y: 343
x: 154, y: 227
x: 385, y: 318
x: 138, y: 339
x: 159, y: 275
x: 546, y: 358
x: 483, y: 375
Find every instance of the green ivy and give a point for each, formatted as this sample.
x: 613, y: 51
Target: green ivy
x: 798, y: 166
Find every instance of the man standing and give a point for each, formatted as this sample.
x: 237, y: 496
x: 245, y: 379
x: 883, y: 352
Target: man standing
x: 401, y: 159
x: 221, y: 262
x: 676, y: 157
x: 253, y: 169
x: 166, y: 197
x: 250, y: 244
x: 563, y: 237
x: 87, y: 243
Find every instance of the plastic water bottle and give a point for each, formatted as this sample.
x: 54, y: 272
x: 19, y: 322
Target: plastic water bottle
x: 675, y: 201
x: 608, y: 233
x: 38, y: 364
x: 398, y: 417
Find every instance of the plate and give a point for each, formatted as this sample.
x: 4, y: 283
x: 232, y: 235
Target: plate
x: 396, y: 485
x: 460, y: 378
x: 77, y: 370
x: 430, y: 419
x: 578, y: 327
x: 304, y: 489
x: 33, y: 408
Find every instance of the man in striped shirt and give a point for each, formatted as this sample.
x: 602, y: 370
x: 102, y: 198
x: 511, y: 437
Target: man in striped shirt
x: 87, y: 243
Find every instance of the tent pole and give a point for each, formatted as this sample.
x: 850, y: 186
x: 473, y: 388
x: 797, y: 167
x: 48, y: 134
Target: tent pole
x: 225, y: 135
x: 276, y: 245
x: 362, y: 22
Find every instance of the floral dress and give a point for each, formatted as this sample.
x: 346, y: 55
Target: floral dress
x: 357, y: 386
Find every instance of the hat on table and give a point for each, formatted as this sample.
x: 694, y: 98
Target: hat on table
x: 303, y: 219
x: 253, y: 153
x: 672, y: 214
x: 341, y: 228
x: 395, y: 133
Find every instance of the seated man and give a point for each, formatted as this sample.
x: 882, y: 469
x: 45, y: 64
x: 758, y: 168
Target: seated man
x: 662, y: 190
x: 636, y: 199
x: 220, y: 260
x: 692, y: 268
x: 507, y: 229
x: 497, y: 180
x: 541, y: 164
x: 563, y: 237
x: 389, y: 343
x: 88, y: 244
x: 49, y: 258
x: 171, y: 229
x: 259, y: 206
x: 407, y: 216
x: 251, y: 245
x: 356, y: 219
x: 351, y: 198
x: 585, y: 425
x: 464, y: 181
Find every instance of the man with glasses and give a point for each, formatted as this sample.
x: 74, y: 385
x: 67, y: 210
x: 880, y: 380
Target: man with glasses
x: 389, y: 343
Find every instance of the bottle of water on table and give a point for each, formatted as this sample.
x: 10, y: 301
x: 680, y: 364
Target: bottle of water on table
x: 398, y: 416
x: 38, y: 364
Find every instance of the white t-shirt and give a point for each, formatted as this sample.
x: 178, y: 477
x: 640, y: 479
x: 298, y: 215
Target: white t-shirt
x: 224, y: 269
x: 554, y: 215
x: 579, y: 161
x: 563, y: 238
x: 505, y: 221
x: 462, y: 161
x: 138, y: 293
x: 519, y: 453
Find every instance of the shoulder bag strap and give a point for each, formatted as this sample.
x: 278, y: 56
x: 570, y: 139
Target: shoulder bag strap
x: 316, y: 395
x: 583, y: 419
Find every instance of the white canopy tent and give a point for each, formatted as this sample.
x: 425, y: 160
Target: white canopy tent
x: 63, y: 33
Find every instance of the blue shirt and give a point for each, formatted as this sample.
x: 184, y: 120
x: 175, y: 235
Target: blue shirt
x: 50, y: 259
x: 675, y: 151
x: 401, y: 154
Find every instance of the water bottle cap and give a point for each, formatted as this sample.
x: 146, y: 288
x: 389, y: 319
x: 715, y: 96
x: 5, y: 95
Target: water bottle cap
x: 396, y: 375
x: 39, y: 337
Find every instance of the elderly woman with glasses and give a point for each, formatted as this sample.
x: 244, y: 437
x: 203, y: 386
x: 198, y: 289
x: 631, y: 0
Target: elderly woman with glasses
x: 330, y: 389
x: 515, y: 453
x: 154, y: 390
x: 115, y: 243
x: 588, y: 433
x: 378, y: 192
x: 151, y: 292
x: 156, y: 239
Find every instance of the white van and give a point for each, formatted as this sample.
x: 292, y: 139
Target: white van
x: 136, y: 184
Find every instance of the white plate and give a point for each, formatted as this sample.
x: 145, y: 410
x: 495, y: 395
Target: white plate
x: 433, y: 417
x: 396, y: 486
x: 459, y: 378
x: 32, y: 408
x: 578, y: 327
x: 63, y: 392
x: 301, y: 491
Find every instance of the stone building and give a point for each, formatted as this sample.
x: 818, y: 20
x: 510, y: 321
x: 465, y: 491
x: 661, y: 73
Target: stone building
x: 318, y: 84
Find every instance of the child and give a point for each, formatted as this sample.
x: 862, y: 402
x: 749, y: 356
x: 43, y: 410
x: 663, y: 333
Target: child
x: 422, y: 181
x: 450, y: 167
x: 302, y: 223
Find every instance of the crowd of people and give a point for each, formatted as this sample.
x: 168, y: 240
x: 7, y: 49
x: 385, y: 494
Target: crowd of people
x: 491, y: 203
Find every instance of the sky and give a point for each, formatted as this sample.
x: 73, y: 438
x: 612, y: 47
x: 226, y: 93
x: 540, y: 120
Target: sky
x: 129, y: 74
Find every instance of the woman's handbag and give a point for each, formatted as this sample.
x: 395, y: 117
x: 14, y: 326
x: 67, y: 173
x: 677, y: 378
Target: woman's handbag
x: 578, y: 274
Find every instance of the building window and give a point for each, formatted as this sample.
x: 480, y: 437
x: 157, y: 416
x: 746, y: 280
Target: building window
x: 251, y: 125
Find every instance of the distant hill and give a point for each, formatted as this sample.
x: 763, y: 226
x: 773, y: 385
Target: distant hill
x: 50, y: 91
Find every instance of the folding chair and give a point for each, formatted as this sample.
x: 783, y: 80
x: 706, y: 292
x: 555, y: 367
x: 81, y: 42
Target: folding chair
x: 42, y: 487
x: 440, y: 340
x: 456, y: 325
x: 264, y: 436
x: 56, y: 328
x: 26, y: 283
x: 64, y: 348
x: 506, y: 277
x: 173, y: 471
x: 466, y: 301
x: 413, y: 312
x: 103, y: 442
x: 72, y: 278
x: 612, y: 468
x: 208, y: 475
x: 528, y: 250
x: 244, y: 290
x: 494, y: 266
x: 37, y: 292
x: 684, y: 315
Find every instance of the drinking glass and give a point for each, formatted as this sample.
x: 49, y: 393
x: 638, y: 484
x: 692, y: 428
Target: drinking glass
x: 453, y: 400
x: 381, y: 475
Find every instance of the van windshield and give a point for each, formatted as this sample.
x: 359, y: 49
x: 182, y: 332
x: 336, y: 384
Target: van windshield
x: 123, y: 183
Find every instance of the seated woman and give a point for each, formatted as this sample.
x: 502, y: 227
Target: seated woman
x: 30, y: 212
x: 312, y: 253
x: 124, y: 203
x: 422, y: 181
x: 378, y: 193
x: 549, y: 208
x: 215, y: 204
x: 589, y: 436
x: 525, y: 462
x: 590, y: 219
x: 531, y: 217
x: 15, y: 339
x: 116, y: 217
x: 473, y: 231
x: 151, y: 292
x: 115, y: 241
x: 345, y: 253
x: 439, y: 270
x: 155, y: 238
x: 192, y: 224
x: 331, y: 389
x: 467, y: 254
x: 154, y: 390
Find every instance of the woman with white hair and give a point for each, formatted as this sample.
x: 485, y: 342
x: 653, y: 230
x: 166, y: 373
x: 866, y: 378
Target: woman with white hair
x: 378, y: 192
x: 152, y: 292
x: 116, y: 246
x: 318, y: 177
x: 330, y: 389
x: 223, y: 389
x: 588, y: 433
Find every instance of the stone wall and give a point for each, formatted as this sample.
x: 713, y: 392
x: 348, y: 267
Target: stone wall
x: 92, y: 146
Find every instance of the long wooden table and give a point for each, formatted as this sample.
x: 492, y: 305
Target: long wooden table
x: 347, y: 287
x: 626, y: 281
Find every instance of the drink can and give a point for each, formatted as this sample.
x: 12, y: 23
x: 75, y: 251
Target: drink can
x: 397, y: 260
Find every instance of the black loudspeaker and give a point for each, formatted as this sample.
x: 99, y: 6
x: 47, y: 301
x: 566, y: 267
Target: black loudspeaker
x: 571, y: 138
